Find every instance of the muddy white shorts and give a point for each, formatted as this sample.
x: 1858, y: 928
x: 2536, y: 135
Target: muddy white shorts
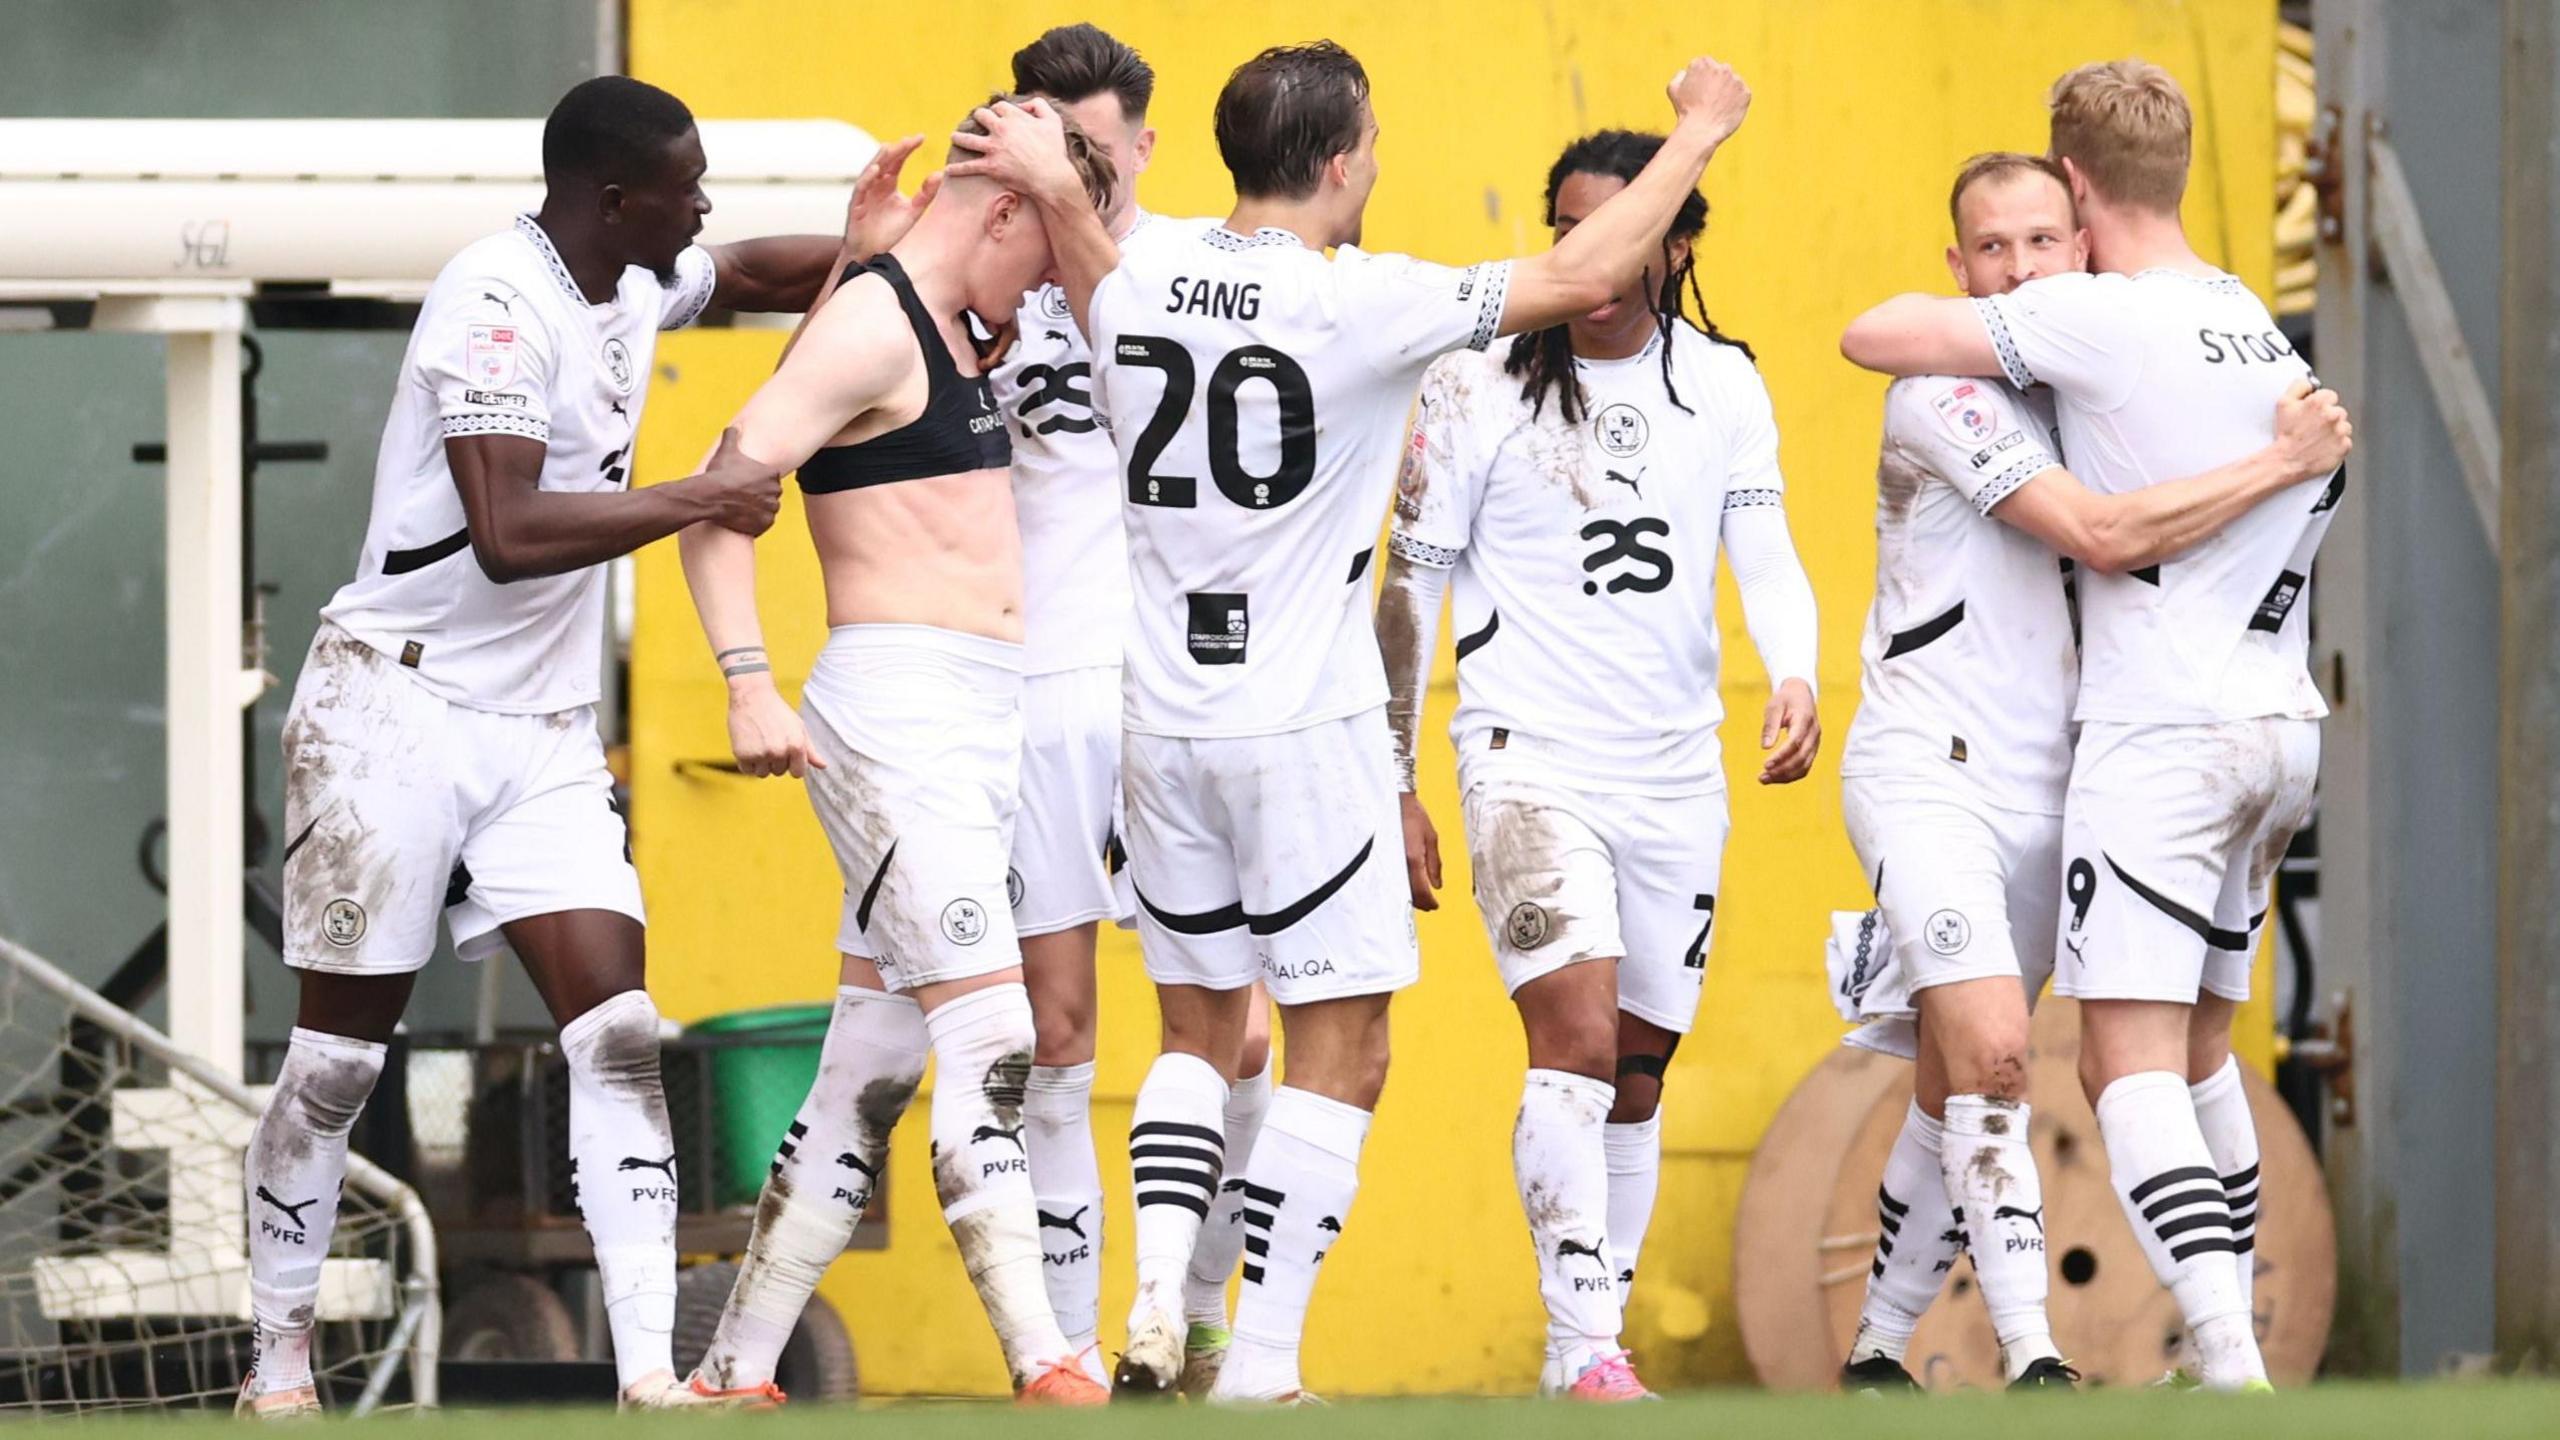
x: 2170, y: 836
x: 1967, y: 888
x: 1277, y: 858
x: 400, y: 805
x: 1564, y: 875
x: 921, y: 729
x: 1070, y: 814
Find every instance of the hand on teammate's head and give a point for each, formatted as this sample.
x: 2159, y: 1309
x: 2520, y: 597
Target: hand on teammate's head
x: 1707, y: 92
x: 878, y: 216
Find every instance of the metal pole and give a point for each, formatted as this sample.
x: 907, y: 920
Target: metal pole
x: 207, y: 683
x: 2528, y: 1098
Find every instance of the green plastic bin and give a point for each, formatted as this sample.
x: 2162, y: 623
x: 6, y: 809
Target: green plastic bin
x: 756, y: 1088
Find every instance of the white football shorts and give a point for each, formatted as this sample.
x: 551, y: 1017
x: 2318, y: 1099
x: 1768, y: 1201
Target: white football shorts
x: 1968, y: 888
x: 2170, y: 837
x: 400, y: 805
x: 1565, y: 875
x: 1070, y: 813
x: 921, y: 729
x: 1277, y: 858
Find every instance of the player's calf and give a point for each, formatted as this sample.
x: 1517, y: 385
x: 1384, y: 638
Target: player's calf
x: 297, y: 1161
x: 622, y: 1157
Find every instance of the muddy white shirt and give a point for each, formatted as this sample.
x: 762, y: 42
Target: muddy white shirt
x: 2159, y: 375
x: 1585, y: 555
x: 1256, y: 392
x: 506, y: 345
x: 1967, y: 667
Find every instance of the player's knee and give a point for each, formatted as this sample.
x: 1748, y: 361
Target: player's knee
x: 1990, y: 1058
x: 1576, y: 1044
x: 616, y: 1042
x: 1062, y: 1030
x: 330, y: 1087
x: 1639, y: 1088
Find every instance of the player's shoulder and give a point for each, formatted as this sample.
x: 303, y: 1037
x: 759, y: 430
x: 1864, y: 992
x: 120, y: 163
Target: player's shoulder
x: 1723, y: 365
x: 1463, y: 382
x: 1922, y: 412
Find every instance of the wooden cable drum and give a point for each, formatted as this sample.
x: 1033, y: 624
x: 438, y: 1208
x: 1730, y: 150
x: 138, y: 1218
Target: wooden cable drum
x: 1806, y: 1233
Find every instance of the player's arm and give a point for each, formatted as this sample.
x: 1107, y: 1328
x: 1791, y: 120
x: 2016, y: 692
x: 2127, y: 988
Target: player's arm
x: 1611, y: 247
x: 2114, y: 533
x: 492, y: 381
x: 1777, y: 597
x: 1024, y: 149
x: 520, y: 531
x: 877, y: 217
x: 1434, y: 514
x: 775, y: 272
x: 1921, y: 335
x: 846, y: 364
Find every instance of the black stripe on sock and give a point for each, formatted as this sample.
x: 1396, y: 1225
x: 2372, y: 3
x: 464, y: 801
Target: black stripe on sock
x: 2171, y: 1229
x: 1889, y: 1203
x: 1187, y: 1179
x: 1209, y: 1158
x: 1258, y: 1245
x: 1884, y: 1247
x: 2182, y: 1200
x: 2207, y: 1245
x: 1890, y: 1224
x: 2167, y: 1178
x: 1172, y: 1129
x: 2245, y: 1177
x: 1192, y: 1203
x: 1878, y: 1271
x: 1260, y: 1219
x: 1252, y: 1274
x: 1263, y: 1196
x: 2244, y: 1244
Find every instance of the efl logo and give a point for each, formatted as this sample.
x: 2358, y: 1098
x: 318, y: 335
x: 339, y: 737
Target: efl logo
x: 1967, y: 413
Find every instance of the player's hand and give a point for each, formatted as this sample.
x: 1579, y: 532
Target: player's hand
x: 2313, y: 434
x: 878, y: 216
x: 1791, y: 715
x: 766, y: 733
x: 1707, y: 92
x: 742, y: 493
x: 1421, y: 854
x: 1024, y: 149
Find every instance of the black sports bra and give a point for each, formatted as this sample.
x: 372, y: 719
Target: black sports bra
x: 960, y: 430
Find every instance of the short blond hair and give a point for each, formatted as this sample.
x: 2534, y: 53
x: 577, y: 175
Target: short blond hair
x: 1994, y: 165
x: 2126, y: 126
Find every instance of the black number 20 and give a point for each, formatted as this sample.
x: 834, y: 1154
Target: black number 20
x: 1239, y: 367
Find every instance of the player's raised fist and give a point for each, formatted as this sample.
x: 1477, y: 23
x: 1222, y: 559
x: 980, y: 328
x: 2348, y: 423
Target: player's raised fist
x: 1707, y: 92
x: 744, y: 493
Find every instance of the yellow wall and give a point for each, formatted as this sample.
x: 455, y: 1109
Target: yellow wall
x: 1832, y: 197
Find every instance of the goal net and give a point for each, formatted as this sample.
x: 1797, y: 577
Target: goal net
x: 124, y: 1272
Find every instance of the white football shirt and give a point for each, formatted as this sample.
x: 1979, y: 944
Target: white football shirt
x: 506, y: 345
x: 1584, y: 599
x: 1066, y: 486
x: 1257, y: 392
x: 2159, y: 375
x: 1967, y: 668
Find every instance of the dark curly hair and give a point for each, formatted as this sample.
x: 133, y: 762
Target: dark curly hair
x: 1543, y: 359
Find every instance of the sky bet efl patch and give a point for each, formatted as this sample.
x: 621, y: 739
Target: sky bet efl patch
x: 490, y: 355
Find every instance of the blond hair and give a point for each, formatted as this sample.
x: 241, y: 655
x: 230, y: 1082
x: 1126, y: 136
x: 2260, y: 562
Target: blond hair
x: 2125, y: 125
x: 1093, y: 164
x: 2002, y: 165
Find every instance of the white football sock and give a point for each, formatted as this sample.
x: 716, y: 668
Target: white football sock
x: 296, y: 1165
x: 824, y: 1174
x: 2222, y: 1113
x: 1177, y: 1153
x: 1221, y: 1242
x: 1298, y: 1190
x: 1066, y: 1183
x: 1918, y: 1237
x: 982, y: 1172
x: 622, y: 1154
x: 1561, y: 1164
x: 1991, y: 1180
x: 1635, y: 1173
x: 2173, y: 1196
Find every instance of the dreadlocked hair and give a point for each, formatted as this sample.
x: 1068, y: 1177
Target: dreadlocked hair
x: 1543, y: 359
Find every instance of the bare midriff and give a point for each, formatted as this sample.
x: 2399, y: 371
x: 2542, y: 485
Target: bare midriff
x: 943, y: 551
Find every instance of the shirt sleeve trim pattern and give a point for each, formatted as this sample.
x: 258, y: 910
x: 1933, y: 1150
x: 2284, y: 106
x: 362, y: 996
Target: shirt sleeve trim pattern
x: 2012, y: 364
x: 476, y: 423
x: 1495, y: 277
x: 689, y: 308
x: 2006, y: 483
x: 1421, y: 552
x: 1755, y: 497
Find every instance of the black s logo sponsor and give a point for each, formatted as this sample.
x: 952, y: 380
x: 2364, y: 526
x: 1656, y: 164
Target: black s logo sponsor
x: 1626, y: 541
